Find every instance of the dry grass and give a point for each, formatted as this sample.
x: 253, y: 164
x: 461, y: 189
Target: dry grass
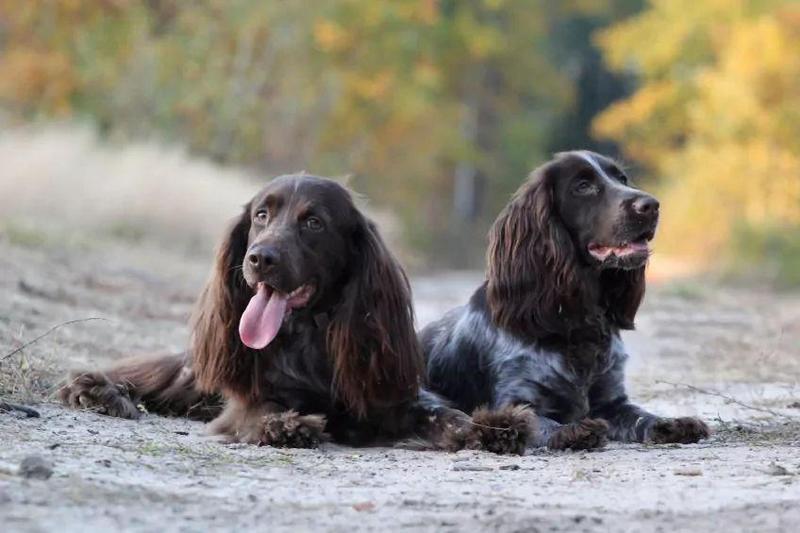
x: 60, y: 182
x: 64, y: 195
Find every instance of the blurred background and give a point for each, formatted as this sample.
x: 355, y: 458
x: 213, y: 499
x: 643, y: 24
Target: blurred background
x: 132, y: 130
x: 152, y: 120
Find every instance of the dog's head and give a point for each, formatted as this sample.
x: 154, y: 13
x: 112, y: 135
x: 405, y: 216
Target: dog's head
x: 610, y: 222
x: 302, y: 251
x: 574, y: 236
x: 298, y: 248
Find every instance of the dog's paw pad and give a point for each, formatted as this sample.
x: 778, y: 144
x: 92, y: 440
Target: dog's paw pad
x: 685, y: 430
x: 93, y: 391
x: 503, y: 431
x: 292, y: 430
x: 588, y: 434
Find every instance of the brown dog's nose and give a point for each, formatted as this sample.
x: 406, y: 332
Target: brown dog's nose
x: 646, y: 205
x: 263, y: 256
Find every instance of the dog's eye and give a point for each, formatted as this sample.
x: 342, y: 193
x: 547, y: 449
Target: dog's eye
x: 584, y: 187
x: 313, y: 223
x: 623, y: 179
x: 261, y: 216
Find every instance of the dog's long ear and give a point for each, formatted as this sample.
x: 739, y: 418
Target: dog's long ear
x: 377, y: 359
x: 623, y: 291
x: 219, y: 359
x: 534, y: 285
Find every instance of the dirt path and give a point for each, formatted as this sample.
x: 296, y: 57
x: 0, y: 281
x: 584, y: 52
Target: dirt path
x: 163, y: 474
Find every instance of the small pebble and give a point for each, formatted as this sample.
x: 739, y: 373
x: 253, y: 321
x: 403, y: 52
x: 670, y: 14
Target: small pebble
x: 775, y: 469
x: 35, y: 467
x: 460, y: 467
x: 688, y: 472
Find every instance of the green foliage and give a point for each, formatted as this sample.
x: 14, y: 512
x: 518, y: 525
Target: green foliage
x: 716, y: 119
x: 767, y: 252
x: 691, y: 290
x: 399, y: 93
x: 439, y: 108
x: 22, y: 234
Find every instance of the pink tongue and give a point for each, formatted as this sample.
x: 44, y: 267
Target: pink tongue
x: 263, y: 317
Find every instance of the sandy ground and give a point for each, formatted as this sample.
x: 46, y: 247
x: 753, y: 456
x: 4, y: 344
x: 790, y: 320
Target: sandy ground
x: 160, y: 474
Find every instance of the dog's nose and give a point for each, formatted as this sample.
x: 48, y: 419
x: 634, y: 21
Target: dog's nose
x: 646, y: 205
x: 263, y: 256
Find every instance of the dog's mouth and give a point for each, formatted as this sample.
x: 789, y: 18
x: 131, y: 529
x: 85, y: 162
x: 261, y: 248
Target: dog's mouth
x: 638, y: 247
x: 264, y: 315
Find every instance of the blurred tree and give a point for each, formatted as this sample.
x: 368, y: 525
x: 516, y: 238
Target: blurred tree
x: 577, y: 56
x: 449, y: 101
x: 716, y: 117
x: 437, y: 107
x: 236, y: 80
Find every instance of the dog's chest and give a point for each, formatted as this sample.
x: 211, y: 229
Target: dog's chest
x: 298, y: 374
x: 587, y: 358
x: 563, y: 393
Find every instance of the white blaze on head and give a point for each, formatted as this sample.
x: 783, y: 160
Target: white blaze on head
x: 589, y: 159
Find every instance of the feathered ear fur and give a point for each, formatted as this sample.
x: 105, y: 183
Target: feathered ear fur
x: 220, y: 361
x: 535, y: 287
x: 377, y: 359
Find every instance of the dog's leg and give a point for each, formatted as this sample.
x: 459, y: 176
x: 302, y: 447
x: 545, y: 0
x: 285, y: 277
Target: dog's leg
x: 507, y: 430
x: 431, y: 418
x: 163, y: 385
x: 269, y: 424
x: 630, y: 423
x: 446, y: 428
x: 586, y: 434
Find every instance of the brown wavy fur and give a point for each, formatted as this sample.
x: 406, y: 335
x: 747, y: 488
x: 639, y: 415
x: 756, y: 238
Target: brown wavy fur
x: 377, y: 359
x: 371, y: 338
x: 536, y: 285
x: 220, y: 361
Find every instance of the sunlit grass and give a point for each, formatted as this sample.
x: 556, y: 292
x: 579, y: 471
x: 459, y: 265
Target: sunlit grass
x: 61, y: 184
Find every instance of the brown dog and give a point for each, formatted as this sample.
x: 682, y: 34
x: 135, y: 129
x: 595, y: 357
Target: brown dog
x: 306, y: 329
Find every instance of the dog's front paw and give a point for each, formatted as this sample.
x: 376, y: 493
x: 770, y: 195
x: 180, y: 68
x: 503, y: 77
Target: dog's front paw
x: 588, y: 434
x: 685, y: 430
x: 94, y: 391
x: 449, y: 430
x: 504, y: 431
x: 292, y: 430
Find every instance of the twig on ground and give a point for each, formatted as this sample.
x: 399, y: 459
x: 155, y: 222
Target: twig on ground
x: 46, y: 333
x: 731, y: 399
x: 27, y: 411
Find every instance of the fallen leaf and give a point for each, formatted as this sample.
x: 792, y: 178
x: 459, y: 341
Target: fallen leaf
x: 364, y: 506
